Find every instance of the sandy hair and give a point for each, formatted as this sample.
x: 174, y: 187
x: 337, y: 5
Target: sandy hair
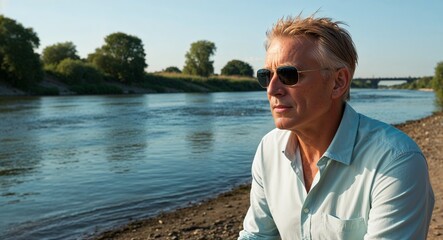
x: 335, y: 46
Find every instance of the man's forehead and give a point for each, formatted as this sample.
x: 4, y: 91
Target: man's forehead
x: 289, y: 51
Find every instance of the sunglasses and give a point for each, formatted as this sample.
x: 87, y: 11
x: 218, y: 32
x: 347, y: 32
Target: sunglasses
x: 288, y: 75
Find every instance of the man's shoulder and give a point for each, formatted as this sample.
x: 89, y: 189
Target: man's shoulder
x: 384, y: 135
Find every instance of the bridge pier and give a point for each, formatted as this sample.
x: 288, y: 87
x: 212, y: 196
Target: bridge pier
x: 374, y: 83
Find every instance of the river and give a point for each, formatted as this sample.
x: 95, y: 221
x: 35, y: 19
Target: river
x: 73, y: 165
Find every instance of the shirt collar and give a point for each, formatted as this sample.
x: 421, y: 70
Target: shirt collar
x: 343, y: 142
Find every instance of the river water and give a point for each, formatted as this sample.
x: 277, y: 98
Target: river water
x: 74, y: 165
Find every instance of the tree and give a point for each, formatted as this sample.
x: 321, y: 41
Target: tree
x: 54, y: 54
x: 198, y: 59
x: 19, y: 64
x: 238, y: 68
x: 77, y: 72
x: 122, y: 56
x: 172, y: 70
x: 437, y: 82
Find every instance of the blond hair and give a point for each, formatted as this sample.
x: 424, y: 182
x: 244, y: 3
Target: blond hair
x: 335, y: 48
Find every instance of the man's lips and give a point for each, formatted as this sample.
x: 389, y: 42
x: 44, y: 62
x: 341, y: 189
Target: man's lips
x: 280, y: 108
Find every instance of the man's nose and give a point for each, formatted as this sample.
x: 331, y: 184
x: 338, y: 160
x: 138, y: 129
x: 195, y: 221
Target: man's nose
x: 275, y: 87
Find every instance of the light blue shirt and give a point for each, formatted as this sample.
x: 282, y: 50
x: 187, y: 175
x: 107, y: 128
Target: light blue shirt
x: 372, y: 183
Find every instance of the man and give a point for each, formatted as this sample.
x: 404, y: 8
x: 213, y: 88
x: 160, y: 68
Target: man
x: 326, y: 171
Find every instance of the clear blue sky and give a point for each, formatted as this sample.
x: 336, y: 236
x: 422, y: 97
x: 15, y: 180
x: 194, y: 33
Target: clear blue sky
x: 393, y: 38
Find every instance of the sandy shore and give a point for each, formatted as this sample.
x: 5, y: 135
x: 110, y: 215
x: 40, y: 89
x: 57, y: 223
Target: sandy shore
x: 221, y: 218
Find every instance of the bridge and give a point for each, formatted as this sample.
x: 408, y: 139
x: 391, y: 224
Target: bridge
x: 375, y: 81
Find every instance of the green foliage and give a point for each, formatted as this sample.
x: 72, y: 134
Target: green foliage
x: 77, y: 72
x: 172, y: 70
x: 170, y: 82
x: 361, y: 84
x: 424, y: 82
x: 19, y: 64
x: 198, y: 59
x: 237, y: 68
x: 54, y: 54
x: 437, y: 82
x: 122, y: 56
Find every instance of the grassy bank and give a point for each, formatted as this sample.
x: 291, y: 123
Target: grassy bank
x: 151, y: 83
x: 173, y: 82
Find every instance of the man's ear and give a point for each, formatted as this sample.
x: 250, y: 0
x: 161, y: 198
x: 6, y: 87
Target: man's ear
x: 342, y: 79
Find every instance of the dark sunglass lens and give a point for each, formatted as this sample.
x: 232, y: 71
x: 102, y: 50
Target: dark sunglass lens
x: 288, y: 75
x: 264, y: 77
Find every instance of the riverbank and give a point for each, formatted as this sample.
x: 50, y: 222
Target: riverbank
x: 221, y: 217
x: 151, y: 83
x: 63, y: 89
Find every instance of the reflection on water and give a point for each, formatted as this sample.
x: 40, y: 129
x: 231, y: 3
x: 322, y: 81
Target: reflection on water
x: 200, y: 141
x: 200, y: 136
x: 73, y: 165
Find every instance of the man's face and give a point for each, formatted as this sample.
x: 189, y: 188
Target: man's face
x: 305, y: 105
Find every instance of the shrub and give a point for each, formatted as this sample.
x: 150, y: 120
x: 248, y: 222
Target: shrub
x: 78, y: 72
x: 172, y: 70
x: 437, y: 82
x: 237, y: 68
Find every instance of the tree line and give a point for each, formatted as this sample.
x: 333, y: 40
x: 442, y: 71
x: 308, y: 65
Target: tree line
x: 122, y: 58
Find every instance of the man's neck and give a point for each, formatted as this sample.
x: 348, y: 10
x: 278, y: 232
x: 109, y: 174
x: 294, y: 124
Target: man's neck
x: 314, y: 141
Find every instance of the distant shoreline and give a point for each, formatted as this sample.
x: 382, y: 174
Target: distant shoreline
x: 152, y: 83
x: 63, y: 89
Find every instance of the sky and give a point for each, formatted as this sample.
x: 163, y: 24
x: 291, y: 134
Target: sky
x: 395, y: 38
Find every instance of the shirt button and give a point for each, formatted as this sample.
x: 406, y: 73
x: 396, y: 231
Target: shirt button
x: 306, y: 210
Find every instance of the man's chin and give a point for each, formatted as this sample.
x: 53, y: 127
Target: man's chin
x: 280, y: 124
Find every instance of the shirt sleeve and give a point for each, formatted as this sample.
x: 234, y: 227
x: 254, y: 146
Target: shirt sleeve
x: 258, y: 223
x: 402, y: 199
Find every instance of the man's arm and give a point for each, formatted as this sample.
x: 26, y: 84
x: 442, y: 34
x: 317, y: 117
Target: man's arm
x: 258, y: 223
x: 402, y: 200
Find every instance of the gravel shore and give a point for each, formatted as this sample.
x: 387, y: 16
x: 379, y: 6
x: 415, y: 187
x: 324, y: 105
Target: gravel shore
x: 221, y: 217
